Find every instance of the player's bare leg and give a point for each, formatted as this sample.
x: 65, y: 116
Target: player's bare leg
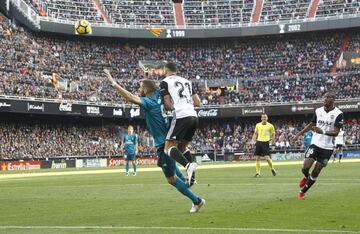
x: 311, y: 179
x: 308, y: 162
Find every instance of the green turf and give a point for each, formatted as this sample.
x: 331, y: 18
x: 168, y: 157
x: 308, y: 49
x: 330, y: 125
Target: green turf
x: 234, y: 200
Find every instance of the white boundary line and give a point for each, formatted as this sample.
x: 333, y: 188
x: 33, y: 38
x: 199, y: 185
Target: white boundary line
x: 109, y: 171
x: 178, y: 228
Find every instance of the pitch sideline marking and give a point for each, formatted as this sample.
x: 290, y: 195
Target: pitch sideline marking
x: 109, y: 171
x: 177, y: 228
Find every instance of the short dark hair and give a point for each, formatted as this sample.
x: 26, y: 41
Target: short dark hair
x: 149, y: 84
x: 171, y: 66
x: 331, y: 94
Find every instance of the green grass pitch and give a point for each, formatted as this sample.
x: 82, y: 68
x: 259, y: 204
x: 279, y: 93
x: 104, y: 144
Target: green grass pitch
x: 236, y: 203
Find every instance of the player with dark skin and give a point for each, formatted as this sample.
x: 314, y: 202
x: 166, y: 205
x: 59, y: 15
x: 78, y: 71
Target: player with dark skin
x: 328, y: 101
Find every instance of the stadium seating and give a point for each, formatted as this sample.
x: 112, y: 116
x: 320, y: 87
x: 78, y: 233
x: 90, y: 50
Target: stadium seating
x: 40, y: 141
x: 216, y: 13
x: 71, y: 10
x: 337, y: 7
x: 278, y: 10
x: 140, y: 12
x: 203, y: 13
x: 266, y: 69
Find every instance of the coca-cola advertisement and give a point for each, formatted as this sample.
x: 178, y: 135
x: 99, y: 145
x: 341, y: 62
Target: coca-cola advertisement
x: 206, y: 113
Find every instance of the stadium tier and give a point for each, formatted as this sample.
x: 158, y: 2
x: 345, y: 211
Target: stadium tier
x: 194, y: 13
x: 338, y: 7
x: 274, y: 69
x: 138, y: 12
x: 27, y: 141
x: 207, y: 13
x: 71, y: 10
x: 215, y: 13
x: 283, y: 10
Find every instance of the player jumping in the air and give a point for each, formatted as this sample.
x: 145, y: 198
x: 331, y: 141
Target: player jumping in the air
x: 151, y: 104
x: 326, y: 125
x: 178, y: 93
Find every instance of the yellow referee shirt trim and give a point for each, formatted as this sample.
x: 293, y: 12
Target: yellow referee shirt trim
x: 264, y: 131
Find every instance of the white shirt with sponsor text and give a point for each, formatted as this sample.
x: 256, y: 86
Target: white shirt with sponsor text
x: 327, y: 121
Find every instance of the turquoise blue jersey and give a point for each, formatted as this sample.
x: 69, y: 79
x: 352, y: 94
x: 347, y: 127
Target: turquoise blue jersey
x: 130, y: 141
x: 155, y: 117
x: 307, y: 138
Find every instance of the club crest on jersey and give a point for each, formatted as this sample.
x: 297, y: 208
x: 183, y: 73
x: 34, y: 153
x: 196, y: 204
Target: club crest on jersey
x: 332, y: 116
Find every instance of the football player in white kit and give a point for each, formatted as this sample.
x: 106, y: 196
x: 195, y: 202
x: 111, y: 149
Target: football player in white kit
x: 339, y: 145
x: 326, y: 125
x: 178, y: 94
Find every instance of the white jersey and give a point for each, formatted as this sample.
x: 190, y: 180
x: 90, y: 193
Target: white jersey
x: 180, y: 91
x: 339, y: 140
x: 327, y: 121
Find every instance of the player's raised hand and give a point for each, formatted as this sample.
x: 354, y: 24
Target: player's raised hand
x: 108, y: 76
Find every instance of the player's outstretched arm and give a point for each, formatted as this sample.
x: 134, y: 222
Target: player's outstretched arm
x: 123, y: 92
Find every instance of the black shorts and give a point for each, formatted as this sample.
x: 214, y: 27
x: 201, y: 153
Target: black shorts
x: 339, y: 147
x: 182, y: 129
x: 262, y: 148
x: 320, y: 155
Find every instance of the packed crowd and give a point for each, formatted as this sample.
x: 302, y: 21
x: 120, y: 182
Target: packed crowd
x: 231, y: 136
x: 216, y: 13
x: 338, y: 7
x: 196, y: 12
x: 284, y: 10
x: 139, y: 12
x: 70, y: 9
x: 265, y: 69
x: 45, y: 141
x: 48, y: 140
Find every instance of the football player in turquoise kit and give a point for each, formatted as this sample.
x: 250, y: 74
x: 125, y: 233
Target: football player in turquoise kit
x: 130, y: 146
x: 151, y: 104
x: 307, y: 139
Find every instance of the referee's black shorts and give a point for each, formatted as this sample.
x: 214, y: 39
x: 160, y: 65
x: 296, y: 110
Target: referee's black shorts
x: 262, y: 148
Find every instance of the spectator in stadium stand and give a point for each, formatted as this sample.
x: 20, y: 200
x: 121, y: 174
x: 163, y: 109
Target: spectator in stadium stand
x: 104, y: 141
